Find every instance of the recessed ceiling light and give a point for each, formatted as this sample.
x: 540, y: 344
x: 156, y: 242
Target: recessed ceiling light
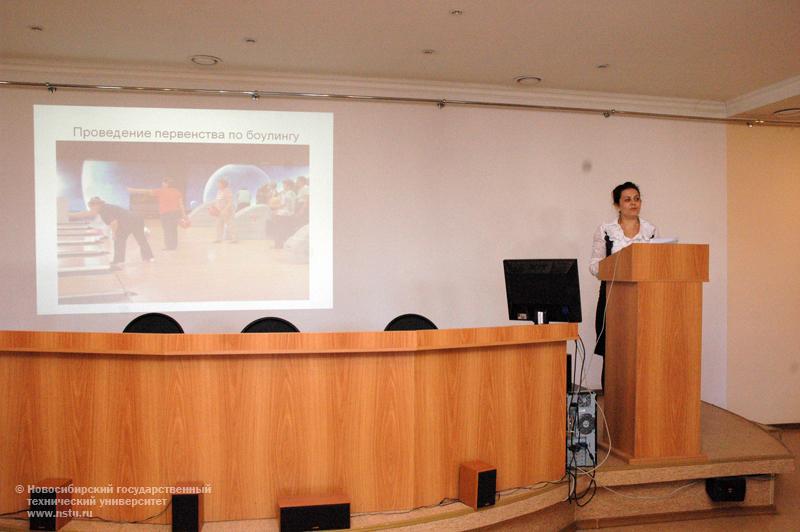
x: 428, y: 51
x: 456, y: 12
x: 35, y: 27
x: 528, y: 80
x: 205, y: 60
x: 789, y: 111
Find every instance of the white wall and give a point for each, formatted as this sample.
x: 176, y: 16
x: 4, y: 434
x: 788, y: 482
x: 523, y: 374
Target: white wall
x: 427, y: 204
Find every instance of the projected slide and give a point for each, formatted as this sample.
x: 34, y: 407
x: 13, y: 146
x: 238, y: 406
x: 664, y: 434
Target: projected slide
x: 153, y: 210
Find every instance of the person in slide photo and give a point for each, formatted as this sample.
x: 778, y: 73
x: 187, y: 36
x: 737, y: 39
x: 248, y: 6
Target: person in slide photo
x: 282, y: 224
x: 226, y: 210
x: 123, y: 223
x: 170, y: 209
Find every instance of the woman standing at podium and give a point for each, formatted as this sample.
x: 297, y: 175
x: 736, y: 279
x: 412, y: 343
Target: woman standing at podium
x: 628, y: 228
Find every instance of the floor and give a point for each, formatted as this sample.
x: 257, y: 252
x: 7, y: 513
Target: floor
x: 199, y: 270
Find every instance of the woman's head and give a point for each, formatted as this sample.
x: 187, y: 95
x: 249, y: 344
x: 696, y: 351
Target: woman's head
x: 616, y: 194
x: 627, y: 199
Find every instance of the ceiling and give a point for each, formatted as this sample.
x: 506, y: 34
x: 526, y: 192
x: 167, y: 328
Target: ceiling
x: 731, y: 51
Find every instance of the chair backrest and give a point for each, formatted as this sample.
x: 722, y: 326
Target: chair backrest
x: 154, y: 322
x: 270, y: 325
x: 410, y: 322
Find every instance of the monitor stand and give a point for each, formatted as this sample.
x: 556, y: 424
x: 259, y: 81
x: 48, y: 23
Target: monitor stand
x: 539, y: 317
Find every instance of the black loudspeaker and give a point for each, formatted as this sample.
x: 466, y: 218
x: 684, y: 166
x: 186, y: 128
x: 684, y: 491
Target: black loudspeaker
x: 487, y: 488
x: 50, y: 507
x: 187, y: 508
x: 477, y: 484
x: 726, y: 489
x: 298, y: 514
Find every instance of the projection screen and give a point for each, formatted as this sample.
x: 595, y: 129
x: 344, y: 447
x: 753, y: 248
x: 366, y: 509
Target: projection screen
x: 151, y: 209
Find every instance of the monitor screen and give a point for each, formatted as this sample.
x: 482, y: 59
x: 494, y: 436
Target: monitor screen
x: 543, y: 290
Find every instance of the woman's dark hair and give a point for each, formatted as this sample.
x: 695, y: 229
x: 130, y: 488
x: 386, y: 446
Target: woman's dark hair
x: 616, y: 194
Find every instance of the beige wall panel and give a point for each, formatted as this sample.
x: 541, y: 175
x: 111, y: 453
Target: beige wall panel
x: 763, y: 280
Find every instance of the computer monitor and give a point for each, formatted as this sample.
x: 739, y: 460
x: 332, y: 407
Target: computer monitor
x: 543, y: 290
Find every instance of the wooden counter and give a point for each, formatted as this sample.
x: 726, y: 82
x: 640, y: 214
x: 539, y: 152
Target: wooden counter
x: 385, y: 417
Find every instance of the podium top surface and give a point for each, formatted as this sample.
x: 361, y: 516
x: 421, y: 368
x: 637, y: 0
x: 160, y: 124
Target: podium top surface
x: 657, y: 262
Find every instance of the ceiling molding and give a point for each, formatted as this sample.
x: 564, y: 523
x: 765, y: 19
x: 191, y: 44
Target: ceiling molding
x: 247, y: 81
x: 782, y: 90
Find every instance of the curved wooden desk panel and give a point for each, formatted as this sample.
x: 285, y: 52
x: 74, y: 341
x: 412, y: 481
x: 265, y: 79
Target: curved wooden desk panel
x: 385, y: 417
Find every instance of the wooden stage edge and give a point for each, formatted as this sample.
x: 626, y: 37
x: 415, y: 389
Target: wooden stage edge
x: 627, y: 494
x: 661, y: 461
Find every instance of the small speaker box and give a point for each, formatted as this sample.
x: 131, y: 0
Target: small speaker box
x: 50, y: 507
x: 298, y: 514
x: 726, y: 489
x: 187, y: 507
x: 477, y: 484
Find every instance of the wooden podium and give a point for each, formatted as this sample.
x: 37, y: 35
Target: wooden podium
x: 653, y: 346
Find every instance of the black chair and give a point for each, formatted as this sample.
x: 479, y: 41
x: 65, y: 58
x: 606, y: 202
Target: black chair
x: 270, y: 325
x: 154, y: 322
x: 410, y: 322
